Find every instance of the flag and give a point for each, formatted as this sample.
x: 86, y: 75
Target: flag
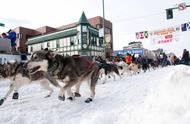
x: 146, y: 34
x: 142, y: 35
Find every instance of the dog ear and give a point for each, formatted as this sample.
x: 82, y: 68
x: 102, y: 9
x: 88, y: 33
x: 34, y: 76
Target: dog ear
x: 50, y: 55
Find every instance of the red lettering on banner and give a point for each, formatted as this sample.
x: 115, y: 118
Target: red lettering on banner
x: 168, y: 36
x: 165, y: 41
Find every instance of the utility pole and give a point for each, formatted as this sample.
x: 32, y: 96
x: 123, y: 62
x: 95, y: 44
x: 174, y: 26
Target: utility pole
x: 103, y: 26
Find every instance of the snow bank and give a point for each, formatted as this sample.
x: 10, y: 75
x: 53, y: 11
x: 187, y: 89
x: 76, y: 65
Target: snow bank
x: 169, y: 103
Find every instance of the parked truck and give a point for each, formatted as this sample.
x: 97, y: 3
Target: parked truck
x: 5, y: 52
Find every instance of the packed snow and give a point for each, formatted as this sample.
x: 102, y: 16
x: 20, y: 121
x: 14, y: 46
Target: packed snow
x: 160, y: 96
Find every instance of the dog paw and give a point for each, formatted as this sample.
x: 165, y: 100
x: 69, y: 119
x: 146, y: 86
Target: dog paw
x: 2, y: 101
x: 88, y: 100
x: 62, y: 98
x: 47, y: 96
x: 15, y: 96
x: 103, y: 82
x: 70, y: 98
x: 77, y: 94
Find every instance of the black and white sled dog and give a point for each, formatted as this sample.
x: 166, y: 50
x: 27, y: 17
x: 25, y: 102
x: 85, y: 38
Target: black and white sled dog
x: 19, y: 75
x: 123, y: 68
x: 72, y: 70
x: 108, y: 70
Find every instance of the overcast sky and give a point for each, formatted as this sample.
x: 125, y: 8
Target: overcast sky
x: 127, y: 16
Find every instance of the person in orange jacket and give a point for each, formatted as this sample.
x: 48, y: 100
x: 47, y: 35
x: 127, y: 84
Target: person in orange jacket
x: 128, y: 58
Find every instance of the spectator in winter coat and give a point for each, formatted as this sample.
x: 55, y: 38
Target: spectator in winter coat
x: 165, y: 60
x: 12, y: 37
x: 185, y: 57
x: 133, y: 58
x: 128, y: 58
x: 174, y: 60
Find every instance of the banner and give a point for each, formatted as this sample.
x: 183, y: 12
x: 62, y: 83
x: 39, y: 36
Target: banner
x: 142, y: 35
x: 165, y: 35
x: 185, y: 26
x: 130, y: 51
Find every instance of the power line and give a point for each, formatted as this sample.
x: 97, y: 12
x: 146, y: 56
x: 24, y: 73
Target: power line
x: 140, y: 17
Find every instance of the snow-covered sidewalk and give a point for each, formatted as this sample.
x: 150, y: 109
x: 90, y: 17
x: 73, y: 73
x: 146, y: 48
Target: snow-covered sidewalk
x: 157, y: 97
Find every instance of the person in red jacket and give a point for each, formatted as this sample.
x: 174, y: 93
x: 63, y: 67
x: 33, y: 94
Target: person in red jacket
x: 128, y: 58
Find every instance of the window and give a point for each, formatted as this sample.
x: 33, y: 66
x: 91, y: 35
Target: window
x: 79, y: 38
x: 61, y: 42
x: 42, y: 46
x: 64, y: 42
x: 75, y: 40
x: 65, y: 48
x: 84, y: 28
x: 53, y: 44
x: 97, y: 41
x: 101, y: 41
x: 76, y: 53
x: 68, y: 41
x: 72, y: 41
x: 84, y: 38
x: 79, y: 28
x: 48, y: 45
x: 19, y: 36
x: 76, y: 47
x: 71, y: 47
x: 93, y: 40
x: 107, y: 30
x: 57, y: 43
x: 31, y: 49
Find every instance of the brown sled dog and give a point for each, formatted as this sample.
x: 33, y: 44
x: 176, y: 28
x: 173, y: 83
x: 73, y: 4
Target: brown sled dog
x: 72, y: 70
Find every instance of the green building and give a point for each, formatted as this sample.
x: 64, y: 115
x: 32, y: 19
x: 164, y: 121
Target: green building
x: 81, y: 39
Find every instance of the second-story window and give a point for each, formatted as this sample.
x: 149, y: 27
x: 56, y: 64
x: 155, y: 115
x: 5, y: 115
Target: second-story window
x: 58, y: 43
x: 48, y: 45
x: 72, y: 40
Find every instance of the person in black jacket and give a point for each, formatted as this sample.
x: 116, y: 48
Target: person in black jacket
x: 185, y: 57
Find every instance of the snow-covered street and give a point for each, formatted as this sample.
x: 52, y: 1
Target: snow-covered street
x: 160, y: 96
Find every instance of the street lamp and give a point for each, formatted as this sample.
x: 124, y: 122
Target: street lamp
x: 103, y: 26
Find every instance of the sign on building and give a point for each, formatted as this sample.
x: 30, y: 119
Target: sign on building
x: 130, y: 51
x: 101, y: 32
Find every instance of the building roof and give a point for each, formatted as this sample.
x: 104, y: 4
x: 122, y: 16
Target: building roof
x: 65, y: 32
x: 52, y: 36
x: 83, y: 19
